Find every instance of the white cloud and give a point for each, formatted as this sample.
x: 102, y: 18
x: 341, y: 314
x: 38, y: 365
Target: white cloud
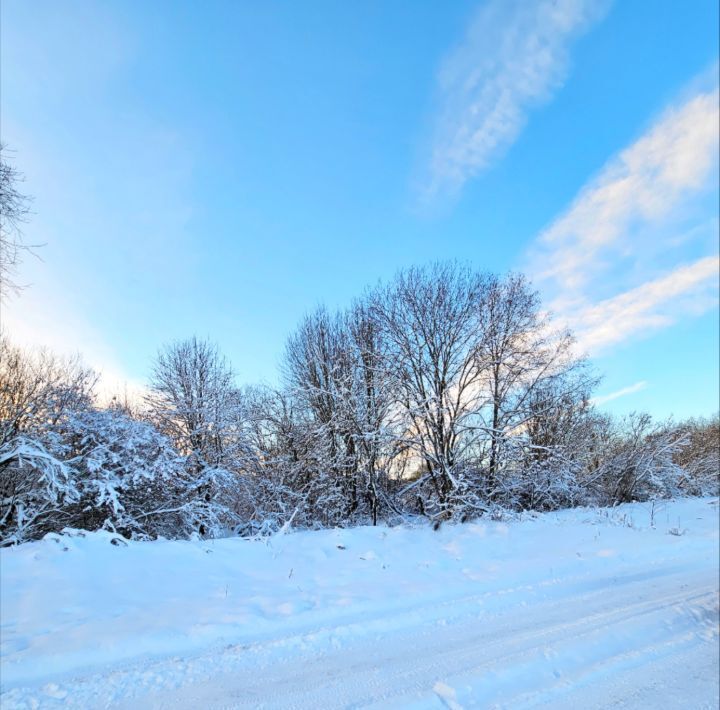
x: 514, y: 56
x: 637, y: 249
x: 688, y: 290
x: 632, y: 389
x: 641, y: 185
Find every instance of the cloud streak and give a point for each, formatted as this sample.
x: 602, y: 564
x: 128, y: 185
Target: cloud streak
x: 513, y: 57
x: 630, y: 254
x: 632, y: 389
x: 642, y: 185
x: 657, y: 304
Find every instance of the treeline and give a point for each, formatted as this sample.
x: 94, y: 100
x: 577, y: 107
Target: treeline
x: 447, y: 394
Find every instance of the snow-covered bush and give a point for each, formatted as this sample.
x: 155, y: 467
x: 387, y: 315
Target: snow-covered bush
x: 37, y: 392
x: 101, y: 469
x: 634, y: 459
x: 37, y: 491
x: 548, y: 483
x: 699, y: 456
x: 284, y: 487
x: 446, y: 393
x: 129, y: 476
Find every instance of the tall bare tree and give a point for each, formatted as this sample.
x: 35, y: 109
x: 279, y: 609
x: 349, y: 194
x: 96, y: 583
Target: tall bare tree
x: 525, y: 364
x: 193, y: 400
x: 38, y: 388
x: 429, y: 319
x: 14, y: 210
x: 372, y: 400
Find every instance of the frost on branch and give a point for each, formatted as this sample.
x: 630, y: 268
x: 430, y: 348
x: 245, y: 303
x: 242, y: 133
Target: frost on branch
x: 103, y: 470
x: 445, y: 394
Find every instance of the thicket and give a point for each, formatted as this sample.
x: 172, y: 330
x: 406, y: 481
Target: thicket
x: 446, y: 394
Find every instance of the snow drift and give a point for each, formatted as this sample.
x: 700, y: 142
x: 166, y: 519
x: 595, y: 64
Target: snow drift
x: 558, y: 607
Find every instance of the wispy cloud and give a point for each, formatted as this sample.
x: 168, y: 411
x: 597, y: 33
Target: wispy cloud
x: 688, y: 290
x: 632, y: 389
x: 643, y: 184
x: 637, y: 249
x: 514, y: 56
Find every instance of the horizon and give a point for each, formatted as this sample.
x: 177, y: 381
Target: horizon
x: 224, y: 189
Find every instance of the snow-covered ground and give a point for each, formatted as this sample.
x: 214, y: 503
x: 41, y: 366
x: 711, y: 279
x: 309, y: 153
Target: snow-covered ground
x: 583, y: 608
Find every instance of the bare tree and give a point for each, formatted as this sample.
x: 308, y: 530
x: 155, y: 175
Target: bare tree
x: 293, y: 479
x: 429, y: 320
x: 194, y: 401
x: 38, y: 388
x: 335, y: 371
x: 700, y: 455
x: 38, y: 391
x: 372, y: 399
x: 529, y: 368
x: 14, y: 210
x: 320, y: 372
x: 633, y: 459
x: 545, y: 465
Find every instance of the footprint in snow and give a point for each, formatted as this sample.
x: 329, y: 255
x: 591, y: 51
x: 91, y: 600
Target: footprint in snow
x: 447, y: 695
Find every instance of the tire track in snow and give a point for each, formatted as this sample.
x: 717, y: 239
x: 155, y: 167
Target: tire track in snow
x: 513, y: 658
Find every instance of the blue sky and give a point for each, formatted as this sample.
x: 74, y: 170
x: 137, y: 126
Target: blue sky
x: 221, y: 168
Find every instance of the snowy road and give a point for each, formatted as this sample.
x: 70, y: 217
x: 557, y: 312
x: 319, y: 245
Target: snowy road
x: 647, y: 642
x: 566, y: 611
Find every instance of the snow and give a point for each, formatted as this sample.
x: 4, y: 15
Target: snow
x: 580, y: 608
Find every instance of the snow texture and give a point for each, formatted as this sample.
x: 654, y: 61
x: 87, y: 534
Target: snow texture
x: 582, y: 608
